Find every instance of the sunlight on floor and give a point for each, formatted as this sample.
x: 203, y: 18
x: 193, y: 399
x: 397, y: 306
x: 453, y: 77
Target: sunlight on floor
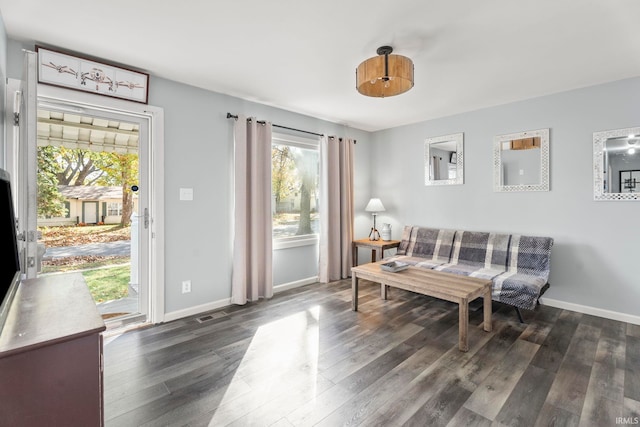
x: 280, y: 367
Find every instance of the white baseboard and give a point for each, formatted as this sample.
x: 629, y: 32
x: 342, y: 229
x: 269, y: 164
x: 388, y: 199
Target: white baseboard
x: 203, y: 308
x: 192, y: 311
x: 296, y: 284
x: 585, y: 309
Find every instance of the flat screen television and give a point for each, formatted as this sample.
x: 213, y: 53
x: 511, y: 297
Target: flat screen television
x: 10, y: 259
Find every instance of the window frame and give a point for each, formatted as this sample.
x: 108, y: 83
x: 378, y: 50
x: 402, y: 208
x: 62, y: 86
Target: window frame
x: 118, y: 209
x: 308, y: 143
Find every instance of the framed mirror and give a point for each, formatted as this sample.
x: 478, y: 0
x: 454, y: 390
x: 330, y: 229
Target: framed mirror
x: 521, y: 161
x: 616, y: 164
x: 444, y: 160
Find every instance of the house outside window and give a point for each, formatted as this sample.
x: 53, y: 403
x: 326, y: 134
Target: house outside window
x: 295, y: 166
x: 114, y: 208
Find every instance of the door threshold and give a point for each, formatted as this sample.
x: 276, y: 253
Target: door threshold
x: 125, y: 323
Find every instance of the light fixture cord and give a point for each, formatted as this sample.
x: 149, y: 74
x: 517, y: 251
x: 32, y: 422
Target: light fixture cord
x: 386, y: 67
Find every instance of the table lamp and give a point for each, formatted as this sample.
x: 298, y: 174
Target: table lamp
x: 374, y: 206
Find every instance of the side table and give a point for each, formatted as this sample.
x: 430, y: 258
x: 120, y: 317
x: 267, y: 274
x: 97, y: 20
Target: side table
x: 377, y: 248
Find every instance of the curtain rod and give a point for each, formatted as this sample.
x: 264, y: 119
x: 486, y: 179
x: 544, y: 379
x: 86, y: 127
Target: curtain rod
x: 233, y: 116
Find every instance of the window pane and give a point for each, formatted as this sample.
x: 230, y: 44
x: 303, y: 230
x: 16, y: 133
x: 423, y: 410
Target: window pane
x: 294, y: 190
x: 114, y: 208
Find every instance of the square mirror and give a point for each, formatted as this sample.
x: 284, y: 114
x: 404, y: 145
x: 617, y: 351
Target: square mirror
x: 521, y: 161
x: 616, y: 164
x: 444, y: 160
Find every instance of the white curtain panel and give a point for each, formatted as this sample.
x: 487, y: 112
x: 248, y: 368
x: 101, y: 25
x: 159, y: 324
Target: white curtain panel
x: 336, y: 202
x: 252, y: 276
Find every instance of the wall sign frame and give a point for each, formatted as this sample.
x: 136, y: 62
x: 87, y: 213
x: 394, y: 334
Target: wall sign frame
x: 75, y: 72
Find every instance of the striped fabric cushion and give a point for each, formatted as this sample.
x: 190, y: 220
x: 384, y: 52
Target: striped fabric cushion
x: 429, y: 246
x: 530, y: 255
x: 431, y: 243
x: 528, y: 271
x: 520, y: 290
x: 415, y: 261
x: 477, y: 254
x: 404, y: 242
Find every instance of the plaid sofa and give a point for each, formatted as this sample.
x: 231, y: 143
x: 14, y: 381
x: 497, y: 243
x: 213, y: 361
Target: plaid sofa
x: 517, y: 265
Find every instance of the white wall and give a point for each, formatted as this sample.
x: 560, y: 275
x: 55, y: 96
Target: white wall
x: 198, y: 154
x: 595, y: 256
x: 594, y: 260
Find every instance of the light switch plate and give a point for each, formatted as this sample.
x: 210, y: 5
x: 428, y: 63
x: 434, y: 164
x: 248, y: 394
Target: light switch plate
x: 186, y: 194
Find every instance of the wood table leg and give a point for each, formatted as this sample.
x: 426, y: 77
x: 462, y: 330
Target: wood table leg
x: 354, y: 258
x: 463, y: 328
x: 487, y: 310
x: 374, y: 257
x: 354, y: 292
x: 384, y: 289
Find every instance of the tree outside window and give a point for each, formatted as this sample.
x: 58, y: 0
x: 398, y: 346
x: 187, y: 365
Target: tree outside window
x: 294, y: 179
x: 75, y: 167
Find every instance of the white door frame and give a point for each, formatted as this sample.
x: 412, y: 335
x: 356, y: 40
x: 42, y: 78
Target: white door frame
x: 154, y: 116
x: 26, y: 182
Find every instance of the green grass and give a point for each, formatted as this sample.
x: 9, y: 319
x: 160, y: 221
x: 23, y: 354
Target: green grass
x: 77, y: 263
x: 107, y: 284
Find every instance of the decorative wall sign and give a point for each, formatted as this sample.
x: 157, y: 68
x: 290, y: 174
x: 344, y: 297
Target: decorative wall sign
x: 73, y: 72
x: 630, y: 181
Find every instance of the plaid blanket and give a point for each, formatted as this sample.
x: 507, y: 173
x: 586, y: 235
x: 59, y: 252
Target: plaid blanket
x: 528, y: 271
x: 518, y: 265
x: 424, y: 247
x: 477, y: 254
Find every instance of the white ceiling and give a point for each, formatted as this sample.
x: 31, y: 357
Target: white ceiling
x: 301, y: 55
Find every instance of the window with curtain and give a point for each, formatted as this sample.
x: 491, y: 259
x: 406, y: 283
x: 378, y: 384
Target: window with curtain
x: 294, y: 188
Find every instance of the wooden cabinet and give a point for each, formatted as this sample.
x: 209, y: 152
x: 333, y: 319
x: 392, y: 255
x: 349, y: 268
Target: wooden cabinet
x: 51, y: 355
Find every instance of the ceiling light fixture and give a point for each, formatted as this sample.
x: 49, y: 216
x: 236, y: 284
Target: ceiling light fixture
x: 384, y: 75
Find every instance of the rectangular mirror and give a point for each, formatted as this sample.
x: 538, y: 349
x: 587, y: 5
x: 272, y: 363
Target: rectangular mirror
x: 616, y: 164
x: 521, y: 161
x: 444, y: 160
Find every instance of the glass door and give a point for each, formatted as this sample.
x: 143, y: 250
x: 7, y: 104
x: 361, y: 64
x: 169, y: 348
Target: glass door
x: 93, y: 203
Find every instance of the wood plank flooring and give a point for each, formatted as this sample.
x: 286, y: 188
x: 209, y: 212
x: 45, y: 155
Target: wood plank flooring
x: 304, y: 358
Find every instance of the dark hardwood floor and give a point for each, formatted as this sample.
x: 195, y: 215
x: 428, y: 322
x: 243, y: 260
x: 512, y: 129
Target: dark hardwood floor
x: 304, y: 358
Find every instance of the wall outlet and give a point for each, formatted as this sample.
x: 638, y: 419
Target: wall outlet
x: 186, y: 286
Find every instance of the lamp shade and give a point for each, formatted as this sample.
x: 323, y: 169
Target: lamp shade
x: 384, y: 75
x: 374, y: 205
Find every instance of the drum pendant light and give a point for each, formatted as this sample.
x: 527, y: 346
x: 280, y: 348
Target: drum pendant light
x: 384, y: 75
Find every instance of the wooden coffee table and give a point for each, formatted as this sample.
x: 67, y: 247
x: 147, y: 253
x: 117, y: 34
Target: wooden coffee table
x: 446, y: 286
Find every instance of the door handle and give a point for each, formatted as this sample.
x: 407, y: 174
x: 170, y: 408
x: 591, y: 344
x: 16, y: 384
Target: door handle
x: 146, y: 218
